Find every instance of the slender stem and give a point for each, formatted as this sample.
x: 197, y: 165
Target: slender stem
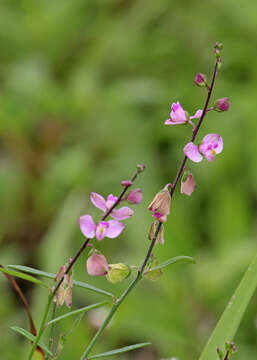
x: 42, y: 326
x: 150, y: 249
x: 71, y: 264
x: 51, y: 333
x: 115, y: 306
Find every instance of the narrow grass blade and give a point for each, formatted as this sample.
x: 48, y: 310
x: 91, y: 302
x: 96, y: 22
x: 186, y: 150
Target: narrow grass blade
x: 78, y: 311
x: 52, y: 276
x: 30, y: 337
x: 119, y: 351
x: 231, y: 317
x: 173, y: 260
x: 23, y: 276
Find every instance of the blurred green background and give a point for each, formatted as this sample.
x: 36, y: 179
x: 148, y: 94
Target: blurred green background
x: 85, y: 88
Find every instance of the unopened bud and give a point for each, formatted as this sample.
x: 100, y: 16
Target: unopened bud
x: 135, y: 196
x: 140, y: 167
x: 160, y: 206
x: 220, y: 353
x: 187, y: 183
x: 126, y: 183
x: 160, y: 235
x: 118, y: 272
x: 97, y: 265
x: 200, y: 79
x: 222, y: 104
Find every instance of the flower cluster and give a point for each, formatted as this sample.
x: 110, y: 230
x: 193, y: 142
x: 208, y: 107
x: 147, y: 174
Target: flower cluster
x: 97, y: 264
x: 111, y: 228
x: 211, y: 145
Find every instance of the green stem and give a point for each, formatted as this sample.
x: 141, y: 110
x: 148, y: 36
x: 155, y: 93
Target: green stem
x: 123, y: 297
x: 42, y: 326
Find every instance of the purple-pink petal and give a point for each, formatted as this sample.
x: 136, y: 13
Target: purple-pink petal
x: 215, y: 140
x: 101, y: 230
x: 122, y: 213
x: 178, y: 113
x: 192, y: 152
x: 114, y: 229
x: 87, y: 226
x: 98, y: 201
x: 111, y: 199
x: 197, y: 115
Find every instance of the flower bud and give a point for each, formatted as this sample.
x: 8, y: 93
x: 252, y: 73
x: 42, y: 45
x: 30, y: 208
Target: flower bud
x: 187, y: 183
x: 222, y: 104
x: 97, y: 265
x: 160, y: 206
x: 135, y: 196
x: 200, y: 79
x: 160, y: 235
x: 126, y: 183
x: 220, y: 353
x: 118, y: 272
x: 140, y: 167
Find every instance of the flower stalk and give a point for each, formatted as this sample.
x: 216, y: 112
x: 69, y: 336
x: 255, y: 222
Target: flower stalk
x: 150, y: 249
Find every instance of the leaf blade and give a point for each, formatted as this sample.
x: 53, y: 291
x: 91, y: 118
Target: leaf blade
x: 48, y: 275
x: 174, y: 260
x: 23, y: 276
x: 30, y: 337
x: 121, y: 350
x: 233, y: 313
x: 77, y: 311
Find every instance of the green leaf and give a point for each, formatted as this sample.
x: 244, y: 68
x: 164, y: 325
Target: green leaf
x: 52, y: 276
x: 78, y: 311
x: 119, y: 351
x: 23, y: 276
x: 231, y: 317
x: 30, y: 337
x: 173, y: 260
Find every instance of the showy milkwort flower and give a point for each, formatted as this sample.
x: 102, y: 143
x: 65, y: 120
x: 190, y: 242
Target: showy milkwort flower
x: 187, y: 183
x: 110, y: 229
x: 211, y: 145
x: 99, y: 202
x: 179, y: 116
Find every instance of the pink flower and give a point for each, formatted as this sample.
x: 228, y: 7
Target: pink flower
x: 97, y: 265
x: 135, y: 196
x: 120, y: 214
x: 187, y: 184
x: 212, y: 145
x: 110, y: 229
x: 179, y: 116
